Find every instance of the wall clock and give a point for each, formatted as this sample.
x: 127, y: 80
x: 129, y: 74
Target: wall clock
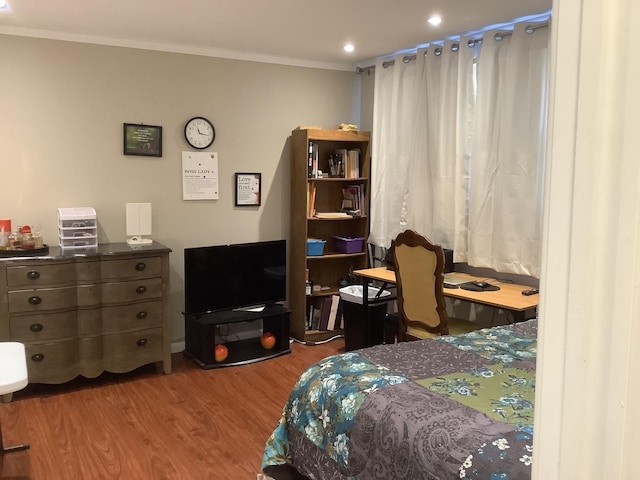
x: 199, y: 133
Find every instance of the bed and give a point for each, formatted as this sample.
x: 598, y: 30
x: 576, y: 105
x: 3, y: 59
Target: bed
x: 451, y: 407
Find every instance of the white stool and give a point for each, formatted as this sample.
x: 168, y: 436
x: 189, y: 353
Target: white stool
x: 13, y: 377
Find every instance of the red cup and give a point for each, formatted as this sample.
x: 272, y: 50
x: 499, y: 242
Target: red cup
x: 5, y: 225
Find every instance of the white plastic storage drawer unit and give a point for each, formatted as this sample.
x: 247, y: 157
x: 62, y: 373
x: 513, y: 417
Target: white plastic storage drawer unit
x: 77, y: 228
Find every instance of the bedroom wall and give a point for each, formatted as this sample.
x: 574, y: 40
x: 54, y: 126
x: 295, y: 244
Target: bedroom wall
x: 63, y: 107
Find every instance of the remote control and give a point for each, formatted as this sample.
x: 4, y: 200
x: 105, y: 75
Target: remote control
x: 531, y: 291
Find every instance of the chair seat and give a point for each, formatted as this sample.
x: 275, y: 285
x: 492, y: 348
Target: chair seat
x: 457, y: 326
x: 13, y: 374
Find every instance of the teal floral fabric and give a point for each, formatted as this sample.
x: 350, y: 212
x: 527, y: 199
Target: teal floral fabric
x: 324, y: 403
x: 495, y: 344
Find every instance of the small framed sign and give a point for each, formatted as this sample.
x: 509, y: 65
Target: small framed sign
x: 139, y: 139
x: 248, y: 189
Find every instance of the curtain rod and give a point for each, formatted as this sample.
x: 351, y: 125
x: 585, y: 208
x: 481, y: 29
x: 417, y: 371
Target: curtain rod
x: 454, y: 47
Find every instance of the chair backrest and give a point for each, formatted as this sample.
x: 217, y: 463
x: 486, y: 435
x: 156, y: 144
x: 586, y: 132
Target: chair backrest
x: 419, y: 265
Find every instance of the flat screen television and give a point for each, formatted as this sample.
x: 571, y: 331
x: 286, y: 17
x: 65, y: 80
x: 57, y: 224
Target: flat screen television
x: 239, y: 276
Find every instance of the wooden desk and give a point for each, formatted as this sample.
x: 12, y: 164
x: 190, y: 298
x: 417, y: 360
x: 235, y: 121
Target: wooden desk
x: 509, y: 297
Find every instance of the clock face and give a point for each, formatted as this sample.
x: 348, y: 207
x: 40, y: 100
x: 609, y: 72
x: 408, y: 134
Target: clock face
x: 199, y: 132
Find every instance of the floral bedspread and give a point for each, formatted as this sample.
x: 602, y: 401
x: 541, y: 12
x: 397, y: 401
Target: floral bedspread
x: 451, y: 407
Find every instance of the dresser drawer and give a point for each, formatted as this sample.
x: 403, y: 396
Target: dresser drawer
x: 131, y: 317
x: 59, y: 362
x: 125, y: 351
x: 51, y: 326
x: 131, y: 268
x: 132, y: 291
x: 33, y: 275
x: 37, y: 274
x: 59, y: 298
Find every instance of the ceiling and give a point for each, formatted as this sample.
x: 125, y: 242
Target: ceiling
x: 295, y: 32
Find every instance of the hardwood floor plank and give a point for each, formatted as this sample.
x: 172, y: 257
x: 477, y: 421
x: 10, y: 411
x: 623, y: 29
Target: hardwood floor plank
x: 142, y: 425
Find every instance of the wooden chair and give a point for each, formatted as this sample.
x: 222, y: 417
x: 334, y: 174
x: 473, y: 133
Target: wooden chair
x: 419, y: 268
x: 13, y: 377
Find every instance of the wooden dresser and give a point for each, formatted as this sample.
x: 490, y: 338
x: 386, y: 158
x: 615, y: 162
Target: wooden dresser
x: 82, y: 314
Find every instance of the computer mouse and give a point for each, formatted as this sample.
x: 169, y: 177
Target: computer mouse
x: 480, y: 284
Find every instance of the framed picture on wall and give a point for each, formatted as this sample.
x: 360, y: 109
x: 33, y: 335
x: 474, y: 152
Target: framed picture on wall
x: 145, y: 140
x: 248, y: 189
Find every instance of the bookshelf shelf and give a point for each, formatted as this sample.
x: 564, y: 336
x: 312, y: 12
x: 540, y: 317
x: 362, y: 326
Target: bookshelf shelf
x: 337, y: 219
x: 324, y: 195
x: 337, y: 179
x: 333, y: 255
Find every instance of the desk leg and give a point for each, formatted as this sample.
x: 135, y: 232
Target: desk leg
x: 521, y: 316
x: 365, y: 313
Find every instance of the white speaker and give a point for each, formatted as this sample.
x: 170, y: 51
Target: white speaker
x: 138, y: 223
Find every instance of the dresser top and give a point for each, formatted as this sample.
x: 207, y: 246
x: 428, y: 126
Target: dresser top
x: 102, y: 250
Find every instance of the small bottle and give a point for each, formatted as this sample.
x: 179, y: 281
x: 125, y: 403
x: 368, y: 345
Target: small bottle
x: 4, y: 239
x: 28, y: 243
x: 37, y: 238
x: 15, y: 240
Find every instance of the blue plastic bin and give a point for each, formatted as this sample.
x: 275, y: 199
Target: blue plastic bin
x: 315, y: 247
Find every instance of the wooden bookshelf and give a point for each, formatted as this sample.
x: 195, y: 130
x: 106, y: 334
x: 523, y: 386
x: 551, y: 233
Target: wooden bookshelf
x: 328, y: 269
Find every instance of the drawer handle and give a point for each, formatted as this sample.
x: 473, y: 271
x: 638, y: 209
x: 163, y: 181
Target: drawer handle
x: 37, y: 357
x: 141, y: 266
x: 141, y: 342
x: 33, y: 275
x: 36, y: 327
x: 141, y: 289
x: 35, y: 300
x: 141, y: 315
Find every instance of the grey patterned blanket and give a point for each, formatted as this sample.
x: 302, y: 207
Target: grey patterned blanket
x: 451, y: 407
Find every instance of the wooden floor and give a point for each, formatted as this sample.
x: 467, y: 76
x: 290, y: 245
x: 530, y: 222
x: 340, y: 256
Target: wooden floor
x: 144, y: 425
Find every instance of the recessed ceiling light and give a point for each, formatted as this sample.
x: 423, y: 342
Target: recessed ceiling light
x: 435, y: 20
x: 349, y: 48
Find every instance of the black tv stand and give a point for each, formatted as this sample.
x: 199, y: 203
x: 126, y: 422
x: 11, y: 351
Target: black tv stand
x: 202, y: 335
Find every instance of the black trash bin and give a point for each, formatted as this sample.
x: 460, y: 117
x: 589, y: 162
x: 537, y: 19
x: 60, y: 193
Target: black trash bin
x: 357, y: 332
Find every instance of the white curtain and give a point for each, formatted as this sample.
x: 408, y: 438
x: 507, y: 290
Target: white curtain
x: 507, y: 166
x: 464, y: 167
x: 436, y: 200
x: 393, y: 107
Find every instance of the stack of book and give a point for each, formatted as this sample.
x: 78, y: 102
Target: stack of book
x: 353, y: 199
x: 325, y: 313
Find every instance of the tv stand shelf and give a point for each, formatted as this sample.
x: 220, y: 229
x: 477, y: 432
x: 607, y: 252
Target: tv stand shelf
x: 203, y: 333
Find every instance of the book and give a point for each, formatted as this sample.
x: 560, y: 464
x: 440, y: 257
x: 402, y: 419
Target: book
x: 357, y: 192
x: 312, y: 200
x: 353, y: 198
x: 324, y: 315
x: 331, y: 214
x: 352, y: 169
x: 315, y: 319
x: 333, y: 313
x: 316, y: 160
x: 310, y: 317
